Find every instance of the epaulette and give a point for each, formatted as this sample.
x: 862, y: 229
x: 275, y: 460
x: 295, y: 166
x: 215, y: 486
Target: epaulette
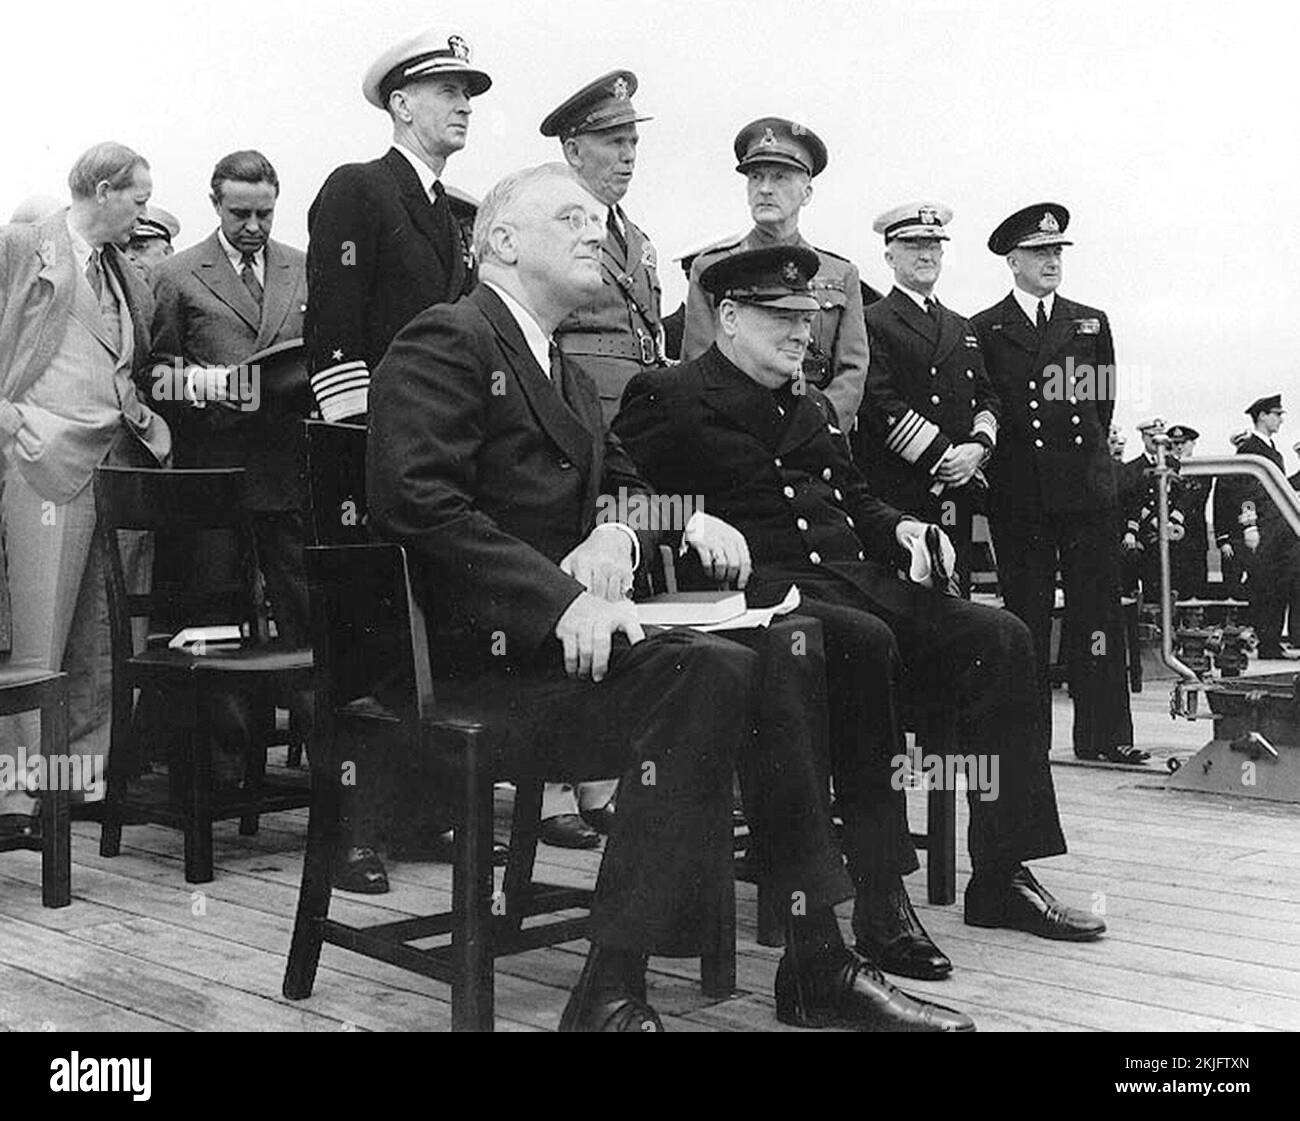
x: 723, y: 246
x: 828, y: 253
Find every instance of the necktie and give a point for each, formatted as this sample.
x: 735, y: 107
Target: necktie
x: 249, y: 276
x: 931, y: 307
x: 1042, y: 316
x: 442, y: 222
x: 616, y: 231
x: 95, y: 275
x: 558, y: 377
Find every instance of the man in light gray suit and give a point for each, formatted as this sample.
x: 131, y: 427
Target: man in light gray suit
x: 74, y: 335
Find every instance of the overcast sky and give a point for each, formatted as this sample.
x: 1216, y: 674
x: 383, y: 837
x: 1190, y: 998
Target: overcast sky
x: 1168, y: 129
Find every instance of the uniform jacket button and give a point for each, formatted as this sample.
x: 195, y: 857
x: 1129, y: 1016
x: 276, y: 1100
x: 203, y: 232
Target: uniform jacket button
x: 788, y: 492
x: 1036, y: 423
x: 934, y: 370
x: 1074, y: 419
x: 826, y: 474
x: 816, y: 558
x: 777, y: 461
x: 1078, y: 439
x: 934, y: 399
x: 801, y: 524
x: 1033, y: 385
x: 564, y: 465
x: 861, y: 555
x: 1033, y: 404
x: 849, y: 519
x: 838, y: 496
x: 1038, y: 443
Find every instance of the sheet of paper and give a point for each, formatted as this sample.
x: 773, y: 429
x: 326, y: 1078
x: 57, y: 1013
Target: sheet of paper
x: 757, y: 616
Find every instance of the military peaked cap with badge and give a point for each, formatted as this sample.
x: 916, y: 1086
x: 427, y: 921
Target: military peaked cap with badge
x: 1182, y: 433
x: 913, y: 221
x: 427, y: 55
x: 602, y: 104
x: 1271, y: 404
x: 156, y: 223
x: 1155, y: 424
x: 777, y: 140
x: 779, y: 278
x: 1035, y: 226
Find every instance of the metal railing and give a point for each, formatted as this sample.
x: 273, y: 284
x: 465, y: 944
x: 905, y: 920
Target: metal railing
x: 1275, y: 485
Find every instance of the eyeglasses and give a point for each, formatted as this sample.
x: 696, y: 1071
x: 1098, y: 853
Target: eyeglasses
x: 578, y: 220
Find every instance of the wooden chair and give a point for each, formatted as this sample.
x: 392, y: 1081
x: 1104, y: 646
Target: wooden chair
x: 375, y: 693
x: 130, y: 499
x: 30, y: 690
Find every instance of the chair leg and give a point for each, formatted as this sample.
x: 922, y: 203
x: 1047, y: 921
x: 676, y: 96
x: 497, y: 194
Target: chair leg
x: 718, y: 961
x: 56, y: 845
x: 198, y: 821
x: 255, y: 768
x: 941, y: 846
x: 525, y: 824
x: 473, y: 988
x: 110, y: 828
x: 317, y: 876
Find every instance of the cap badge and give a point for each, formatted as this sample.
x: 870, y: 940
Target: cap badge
x: 928, y: 215
x: 790, y: 273
x: 797, y: 129
x: 1048, y: 224
x: 459, y: 48
x: 620, y: 88
x: 769, y: 138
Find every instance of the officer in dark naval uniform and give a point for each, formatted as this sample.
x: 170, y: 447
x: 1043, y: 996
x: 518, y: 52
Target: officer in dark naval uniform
x: 780, y: 159
x: 1052, y: 499
x: 1270, y: 540
x: 1188, y: 558
x: 1229, y: 531
x: 929, y: 418
x: 387, y: 238
x: 731, y: 427
x: 1138, y: 491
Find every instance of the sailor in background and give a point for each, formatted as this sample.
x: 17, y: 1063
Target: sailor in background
x: 152, y: 238
x: 1188, y: 558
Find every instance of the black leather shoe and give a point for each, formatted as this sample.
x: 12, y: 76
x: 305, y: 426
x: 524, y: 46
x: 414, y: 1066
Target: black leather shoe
x: 568, y: 831
x: 21, y: 827
x: 360, y: 870
x: 1120, y: 753
x: 592, y: 1008
x: 848, y: 991
x: 1024, y: 904
x: 439, y: 849
x: 890, y: 933
x: 600, y: 819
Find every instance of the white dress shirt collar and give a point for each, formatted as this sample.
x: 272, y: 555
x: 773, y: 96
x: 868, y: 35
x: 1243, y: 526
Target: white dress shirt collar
x: 422, y: 169
x: 1029, y: 304
x: 236, y: 259
x: 538, y: 343
x: 917, y: 298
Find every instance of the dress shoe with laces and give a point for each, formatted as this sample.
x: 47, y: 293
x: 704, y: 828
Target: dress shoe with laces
x: 360, y: 870
x: 596, y: 1007
x: 1119, y: 753
x: 846, y: 990
x: 567, y: 831
x: 889, y: 932
x: 1022, y: 903
x: 21, y: 827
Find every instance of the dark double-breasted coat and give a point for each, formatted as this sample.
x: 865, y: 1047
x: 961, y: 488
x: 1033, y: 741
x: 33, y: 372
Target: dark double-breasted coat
x: 1052, y: 502
x: 376, y: 257
x: 926, y: 390
x: 769, y: 463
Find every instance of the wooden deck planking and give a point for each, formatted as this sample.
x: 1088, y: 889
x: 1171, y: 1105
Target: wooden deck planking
x: 1202, y: 895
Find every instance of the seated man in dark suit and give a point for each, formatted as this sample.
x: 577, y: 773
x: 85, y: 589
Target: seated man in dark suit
x: 739, y: 427
x: 486, y: 460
